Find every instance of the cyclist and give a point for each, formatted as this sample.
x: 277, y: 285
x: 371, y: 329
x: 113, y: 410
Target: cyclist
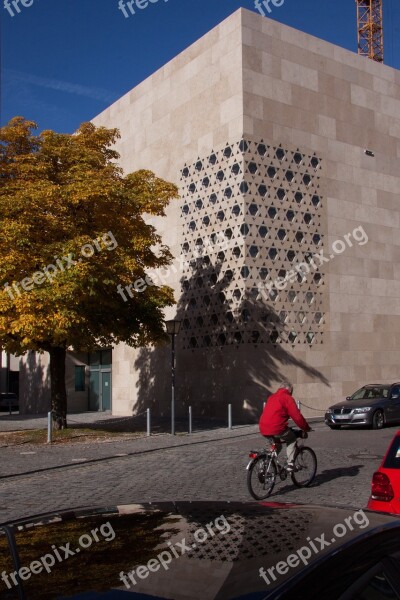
x: 274, y: 420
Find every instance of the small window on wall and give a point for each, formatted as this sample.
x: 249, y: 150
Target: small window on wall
x: 79, y: 378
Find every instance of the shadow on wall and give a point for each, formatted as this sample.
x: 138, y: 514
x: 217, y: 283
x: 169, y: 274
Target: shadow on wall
x: 34, y: 393
x: 221, y: 353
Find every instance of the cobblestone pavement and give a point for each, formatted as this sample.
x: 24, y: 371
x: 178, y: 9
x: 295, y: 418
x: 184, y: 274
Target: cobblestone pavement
x: 204, y: 466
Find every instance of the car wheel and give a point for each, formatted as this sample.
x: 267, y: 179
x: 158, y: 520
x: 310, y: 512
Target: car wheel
x: 334, y: 426
x: 378, y: 420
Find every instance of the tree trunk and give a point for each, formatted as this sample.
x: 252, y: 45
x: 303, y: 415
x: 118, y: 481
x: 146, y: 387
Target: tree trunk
x: 58, y: 390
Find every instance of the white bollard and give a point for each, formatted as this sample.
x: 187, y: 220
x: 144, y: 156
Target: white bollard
x: 229, y: 416
x: 148, y: 422
x: 49, y: 428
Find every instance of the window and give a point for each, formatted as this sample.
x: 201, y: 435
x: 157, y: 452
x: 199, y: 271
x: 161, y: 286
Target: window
x: 393, y: 457
x: 395, y: 391
x: 370, y: 393
x: 79, y: 378
x: 378, y: 588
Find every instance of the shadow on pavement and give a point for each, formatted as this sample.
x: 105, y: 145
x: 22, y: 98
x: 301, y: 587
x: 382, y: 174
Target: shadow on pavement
x: 330, y: 474
x: 324, y: 477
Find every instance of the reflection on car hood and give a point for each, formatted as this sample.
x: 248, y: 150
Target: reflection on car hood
x: 114, y: 595
x: 211, y: 550
x: 358, y: 403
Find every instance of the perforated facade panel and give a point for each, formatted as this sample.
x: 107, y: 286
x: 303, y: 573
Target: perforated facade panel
x: 253, y: 221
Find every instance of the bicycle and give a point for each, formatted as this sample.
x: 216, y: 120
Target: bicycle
x: 264, y: 468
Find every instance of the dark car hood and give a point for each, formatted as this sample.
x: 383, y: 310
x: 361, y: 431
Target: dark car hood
x: 359, y: 403
x: 222, y: 566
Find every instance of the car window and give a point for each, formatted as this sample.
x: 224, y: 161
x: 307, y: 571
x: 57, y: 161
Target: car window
x: 380, y: 582
x: 378, y: 588
x: 396, y: 390
x: 359, y: 394
x: 378, y: 392
x: 393, y: 456
x: 368, y: 393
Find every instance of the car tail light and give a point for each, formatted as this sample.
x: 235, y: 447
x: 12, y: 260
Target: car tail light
x: 381, y: 487
x: 253, y: 454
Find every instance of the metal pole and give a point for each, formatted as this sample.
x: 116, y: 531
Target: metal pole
x: 264, y: 403
x: 299, y: 404
x: 148, y: 422
x: 1, y: 370
x: 190, y: 419
x: 49, y: 428
x: 173, y: 386
x: 229, y: 416
x: 8, y: 371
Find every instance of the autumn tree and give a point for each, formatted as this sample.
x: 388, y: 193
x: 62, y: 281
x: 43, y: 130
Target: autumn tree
x: 72, y: 229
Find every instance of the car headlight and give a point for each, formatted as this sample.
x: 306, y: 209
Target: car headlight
x: 329, y: 410
x: 358, y: 411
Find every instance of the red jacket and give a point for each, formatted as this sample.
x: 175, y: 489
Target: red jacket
x: 279, y: 408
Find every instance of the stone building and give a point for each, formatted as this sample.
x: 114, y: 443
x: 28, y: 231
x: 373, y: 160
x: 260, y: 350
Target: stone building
x: 286, y: 150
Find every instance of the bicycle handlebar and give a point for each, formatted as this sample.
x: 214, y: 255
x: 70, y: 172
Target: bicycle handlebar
x: 298, y: 429
x: 300, y: 433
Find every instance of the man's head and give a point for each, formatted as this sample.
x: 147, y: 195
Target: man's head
x: 287, y: 386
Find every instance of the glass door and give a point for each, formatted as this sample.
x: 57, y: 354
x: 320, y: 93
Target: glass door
x: 100, y: 393
x: 105, y: 390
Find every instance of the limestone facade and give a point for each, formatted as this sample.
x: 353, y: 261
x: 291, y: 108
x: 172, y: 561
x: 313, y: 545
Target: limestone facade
x: 265, y: 130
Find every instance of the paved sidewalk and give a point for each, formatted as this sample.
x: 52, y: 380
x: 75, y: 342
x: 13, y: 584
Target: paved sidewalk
x: 107, y: 421
x: 17, y: 422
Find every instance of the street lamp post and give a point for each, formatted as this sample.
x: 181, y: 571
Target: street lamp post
x: 173, y: 327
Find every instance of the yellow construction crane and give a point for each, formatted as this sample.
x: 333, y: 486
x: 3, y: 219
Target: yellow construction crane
x: 370, y: 28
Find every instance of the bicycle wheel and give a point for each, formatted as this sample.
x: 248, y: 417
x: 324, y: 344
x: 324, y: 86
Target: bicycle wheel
x: 261, y: 477
x: 305, y: 467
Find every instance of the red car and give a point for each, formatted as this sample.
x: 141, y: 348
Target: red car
x: 385, y: 494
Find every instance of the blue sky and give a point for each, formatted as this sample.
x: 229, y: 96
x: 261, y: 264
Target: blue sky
x: 64, y: 61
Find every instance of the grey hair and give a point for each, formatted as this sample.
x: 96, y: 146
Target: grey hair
x: 286, y: 385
